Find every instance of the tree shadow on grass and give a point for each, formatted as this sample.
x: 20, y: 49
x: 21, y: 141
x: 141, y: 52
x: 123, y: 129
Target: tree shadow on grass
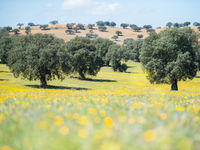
x: 3, y: 79
x: 58, y: 87
x: 99, y: 80
x: 197, y: 77
x: 4, y: 71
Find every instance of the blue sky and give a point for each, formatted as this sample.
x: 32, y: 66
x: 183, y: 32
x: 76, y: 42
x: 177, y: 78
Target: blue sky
x: 140, y: 12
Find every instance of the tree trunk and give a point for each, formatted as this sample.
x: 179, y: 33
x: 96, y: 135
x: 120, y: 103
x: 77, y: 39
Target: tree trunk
x: 43, y: 82
x: 82, y: 75
x: 174, y: 85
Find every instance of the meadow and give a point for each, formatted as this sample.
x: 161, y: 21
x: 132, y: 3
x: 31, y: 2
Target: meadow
x: 112, y: 111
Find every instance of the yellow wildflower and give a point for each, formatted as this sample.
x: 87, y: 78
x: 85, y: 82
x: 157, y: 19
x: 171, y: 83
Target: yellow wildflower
x: 58, y: 121
x: 149, y: 135
x: 109, y: 122
x: 64, y: 130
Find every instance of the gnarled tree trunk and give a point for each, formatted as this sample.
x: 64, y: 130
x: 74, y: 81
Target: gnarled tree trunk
x: 82, y: 75
x: 43, y: 82
x: 174, y: 85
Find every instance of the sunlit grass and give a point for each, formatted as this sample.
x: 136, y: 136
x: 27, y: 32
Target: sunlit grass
x: 113, y: 111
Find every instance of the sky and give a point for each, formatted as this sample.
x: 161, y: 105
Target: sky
x: 140, y: 12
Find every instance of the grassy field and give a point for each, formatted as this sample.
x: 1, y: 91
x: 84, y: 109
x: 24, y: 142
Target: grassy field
x: 113, y: 111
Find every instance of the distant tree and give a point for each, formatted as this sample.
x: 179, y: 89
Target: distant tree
x: 102, y: 28
x: 147, y: 27
x: 132, y: 50
x: 27, y: 30
x: 36, y: 57
x: 91, y: 26
x: 102, y: 46
x: 115, y: 37
x: 169, y: 24
x: 84, y: 56
x: 150, y: 31
x: 196, y: 24
x: 8, y: 29
x: 44, y: 27
x: 119, y: 33
x: 124, y: 25
x: 135, y: 28
x: 100, y: 23
x: 91, y: 35
x: 186, y: 24
x: 20, y: 25
x: 15, y: 31
x: 69, y: 31
x: 5, y: 46
x: 76, y: 29
x: 31, y: 24
x: 54, y: 22
x: 176, y: 25
x: 80, y: 26
x: 116, y: 54
x: 198, y: 28
x: 169, y: 56
x: 140, y: 36
x: 113, y: 24
x: 107, y: 23
x: 69, y: 26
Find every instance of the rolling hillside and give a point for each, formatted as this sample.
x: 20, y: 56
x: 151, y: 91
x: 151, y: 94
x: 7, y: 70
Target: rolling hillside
x: 59, y: 31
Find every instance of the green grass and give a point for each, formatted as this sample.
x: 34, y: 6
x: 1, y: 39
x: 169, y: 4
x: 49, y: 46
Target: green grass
x: 113, y: 111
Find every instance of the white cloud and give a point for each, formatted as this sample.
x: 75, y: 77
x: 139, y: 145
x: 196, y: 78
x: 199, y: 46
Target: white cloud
x: 71, y: 4
x: 101, y: 8
x: 49, y: 4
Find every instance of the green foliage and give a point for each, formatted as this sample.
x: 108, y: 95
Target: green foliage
x: 115, y: 54
x: 80, y: 26
x: 100, y: 23
x: 8, y: 29
x: 27, y: 30
x: 102, y: 46
x: 37, y: 57
x: 44, y: 27
x: 69, y: 31
x: 147, y: 27
x: 91, y: 35
x: 20, y: 25
x: 124, y: 25
x: 186, y: 24
x: 5, y: 46
x: 196, y: 24
x: 69, y: 26
x: 115, y: 37
x: 84, y: 56
x: 54, y: 22
x: 102, y: 28
x: 150, y: 31
x: 169, y: 24
x: 169, y: 56
x: 31, y: 24
x: 140, y: 36
x: 127, y: 40
x: 4, y: 32
x: 176, y: 25
x: 135, y: 28
x: 91, y: 26
x: 15, y: 31
x: 112, y: 24
x: 119, y: 33
x: 132, y: 50
x: 198, y: 57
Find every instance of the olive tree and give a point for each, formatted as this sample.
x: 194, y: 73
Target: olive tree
x: 84, y: 56
x: 37, y: 57
x: 169, y: 57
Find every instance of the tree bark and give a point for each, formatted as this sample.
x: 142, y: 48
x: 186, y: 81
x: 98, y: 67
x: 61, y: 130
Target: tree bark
x: 174, y: 85
x: 82, y: 75
x: 43, y: 82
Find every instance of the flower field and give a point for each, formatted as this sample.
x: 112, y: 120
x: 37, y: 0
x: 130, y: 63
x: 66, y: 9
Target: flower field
x: 113, y: 111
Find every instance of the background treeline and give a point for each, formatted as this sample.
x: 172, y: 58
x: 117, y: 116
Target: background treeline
x: 45, y: 57
x: 167, y: 57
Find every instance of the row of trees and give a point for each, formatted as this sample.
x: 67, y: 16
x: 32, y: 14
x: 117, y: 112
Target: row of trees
x: 45, y: 57
x: 168, y: 57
